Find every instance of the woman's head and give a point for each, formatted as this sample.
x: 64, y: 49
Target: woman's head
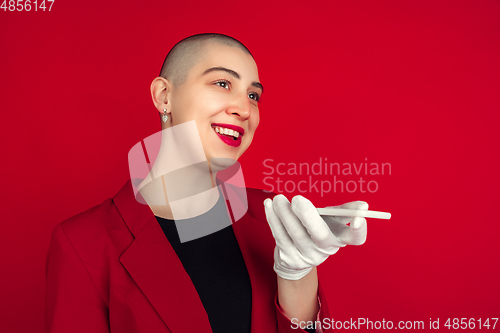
x: 213, y: 80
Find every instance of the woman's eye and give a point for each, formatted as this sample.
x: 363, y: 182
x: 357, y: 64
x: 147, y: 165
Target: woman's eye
x: 223, y: 84
x: 254, y: 96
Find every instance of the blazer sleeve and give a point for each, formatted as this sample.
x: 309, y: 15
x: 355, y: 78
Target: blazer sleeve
x: 73, y: 302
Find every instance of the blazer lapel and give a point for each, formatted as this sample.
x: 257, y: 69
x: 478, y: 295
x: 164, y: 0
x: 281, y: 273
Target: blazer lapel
x: 257, y: 247
x: 260, y: 269
x: 155, y: 267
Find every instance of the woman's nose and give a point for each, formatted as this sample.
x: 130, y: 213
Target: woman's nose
x: 240, y: 107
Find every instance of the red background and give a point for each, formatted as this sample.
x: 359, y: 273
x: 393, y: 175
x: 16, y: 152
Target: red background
x: 411, y: 83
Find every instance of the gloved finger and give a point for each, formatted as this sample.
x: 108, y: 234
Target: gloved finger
x: 355, y: 233
x: 293, y: 225
x: 316, y: 227
x: 356, y: 205
x: 292, y: 247
x: 336, y: 227
x: 277, y: 228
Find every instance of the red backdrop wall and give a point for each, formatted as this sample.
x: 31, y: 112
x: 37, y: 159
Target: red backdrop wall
x: 410, y: 83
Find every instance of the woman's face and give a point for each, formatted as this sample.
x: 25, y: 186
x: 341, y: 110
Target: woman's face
x: 221, y: 95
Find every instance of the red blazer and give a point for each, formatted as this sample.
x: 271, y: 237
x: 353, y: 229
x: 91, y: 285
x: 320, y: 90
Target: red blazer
x: 111, y: 269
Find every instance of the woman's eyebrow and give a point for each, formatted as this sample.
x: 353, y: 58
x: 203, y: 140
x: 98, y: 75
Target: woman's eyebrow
x: 232, y: 73
x: 224, y: 69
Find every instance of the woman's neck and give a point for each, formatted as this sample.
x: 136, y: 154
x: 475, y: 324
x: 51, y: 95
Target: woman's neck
x: 181, y: 182
x: 181, y: 194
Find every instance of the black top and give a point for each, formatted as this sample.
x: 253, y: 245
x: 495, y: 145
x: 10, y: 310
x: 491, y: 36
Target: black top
x: 217, y: 269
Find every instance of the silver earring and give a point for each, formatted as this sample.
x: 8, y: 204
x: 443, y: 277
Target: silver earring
x: 165, y: 117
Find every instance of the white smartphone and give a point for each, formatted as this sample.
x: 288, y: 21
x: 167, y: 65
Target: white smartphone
x: 354, y: 212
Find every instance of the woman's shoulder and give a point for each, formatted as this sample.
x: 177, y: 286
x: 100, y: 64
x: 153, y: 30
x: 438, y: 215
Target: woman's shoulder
x: 255, y: 198
x: 89, y: 221
x: 259, y: 193
x: 97, y: 232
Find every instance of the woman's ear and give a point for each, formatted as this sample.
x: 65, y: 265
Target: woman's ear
x: 160, y: 88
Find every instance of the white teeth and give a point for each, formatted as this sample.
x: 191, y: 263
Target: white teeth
x: 227, y: 131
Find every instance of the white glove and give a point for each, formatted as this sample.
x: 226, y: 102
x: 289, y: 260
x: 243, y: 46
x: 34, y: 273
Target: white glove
x: 304, y: 239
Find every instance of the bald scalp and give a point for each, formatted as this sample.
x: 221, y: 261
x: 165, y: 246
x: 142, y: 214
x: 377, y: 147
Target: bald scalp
x: 189, y: 51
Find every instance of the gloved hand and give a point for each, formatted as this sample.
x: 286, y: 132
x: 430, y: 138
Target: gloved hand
x: 304, y: 239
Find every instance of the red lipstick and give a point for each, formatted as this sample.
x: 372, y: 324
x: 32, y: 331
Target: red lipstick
x: 233, y: 127
x: 229, y: 139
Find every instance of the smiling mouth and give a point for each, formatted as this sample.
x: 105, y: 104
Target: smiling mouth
x: 227, y: 132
